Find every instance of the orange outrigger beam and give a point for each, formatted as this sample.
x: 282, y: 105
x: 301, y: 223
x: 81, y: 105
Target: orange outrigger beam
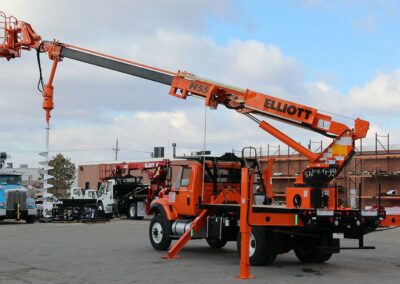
x: 196, y: 226
x: 245, y: 228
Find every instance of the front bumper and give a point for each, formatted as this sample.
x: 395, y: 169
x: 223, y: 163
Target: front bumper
x: 32, y: 211
x: 12, y: 214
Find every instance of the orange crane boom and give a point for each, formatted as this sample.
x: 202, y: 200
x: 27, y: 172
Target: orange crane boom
x: 323, y: 167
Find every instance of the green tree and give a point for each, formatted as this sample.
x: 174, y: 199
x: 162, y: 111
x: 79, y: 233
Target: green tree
x: 64, y: 175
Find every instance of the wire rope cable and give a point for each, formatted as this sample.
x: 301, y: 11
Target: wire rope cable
x: 204, y: 151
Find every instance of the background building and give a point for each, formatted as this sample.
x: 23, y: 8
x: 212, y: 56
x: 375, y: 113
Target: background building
x: 373, y: 171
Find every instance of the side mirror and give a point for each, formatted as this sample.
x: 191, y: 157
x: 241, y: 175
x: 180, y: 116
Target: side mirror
x: 169, y: 174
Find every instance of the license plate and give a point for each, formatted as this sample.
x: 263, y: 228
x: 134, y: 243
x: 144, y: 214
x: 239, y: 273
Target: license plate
x: 338, y: 236
x: 325, y: 212
x: 369, y: 213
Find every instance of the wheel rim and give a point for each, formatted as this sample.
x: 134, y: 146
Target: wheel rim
x: 157, y: 232
x: 132, y: 211
x: 252, y: 245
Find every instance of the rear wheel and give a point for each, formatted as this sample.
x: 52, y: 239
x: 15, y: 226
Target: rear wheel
x: 159, y: 233
x: 306, y: 251
x: 132, y: 211
x: 216, y: 243
x: 325, y: 257
x: 260, y: 252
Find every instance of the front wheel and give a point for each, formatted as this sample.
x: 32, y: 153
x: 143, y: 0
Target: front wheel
x: 30, y: 219
x: 101, y: 212
x: 159, y: 233
x: 100, y: 207
x: 216, y: 243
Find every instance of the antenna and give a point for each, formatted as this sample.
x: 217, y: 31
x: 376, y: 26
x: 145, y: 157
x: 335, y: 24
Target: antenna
x: 116, y: 149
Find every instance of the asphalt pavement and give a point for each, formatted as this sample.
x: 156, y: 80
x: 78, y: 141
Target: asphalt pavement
x: 120, y: 252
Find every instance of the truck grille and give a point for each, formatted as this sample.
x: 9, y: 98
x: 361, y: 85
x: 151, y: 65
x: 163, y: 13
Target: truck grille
x: 14, y: 197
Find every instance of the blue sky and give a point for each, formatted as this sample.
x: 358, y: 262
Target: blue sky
x: 344, y: 42
x: 341, y: 56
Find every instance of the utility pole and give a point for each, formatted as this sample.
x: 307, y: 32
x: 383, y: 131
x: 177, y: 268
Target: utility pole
x: 116, y: 149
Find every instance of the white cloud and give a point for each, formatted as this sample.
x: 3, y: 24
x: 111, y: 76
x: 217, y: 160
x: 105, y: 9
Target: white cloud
x: 93, y: 106
x: 380, y: 96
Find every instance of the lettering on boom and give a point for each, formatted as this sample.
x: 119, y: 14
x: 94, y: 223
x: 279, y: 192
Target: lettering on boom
x: 198, y: 88
x: 289, y: 109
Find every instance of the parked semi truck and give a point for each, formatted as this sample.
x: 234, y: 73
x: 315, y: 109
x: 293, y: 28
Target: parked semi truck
x: 15, y: 200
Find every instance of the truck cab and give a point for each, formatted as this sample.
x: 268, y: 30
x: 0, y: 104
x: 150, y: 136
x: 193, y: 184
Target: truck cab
x: 189, y: 187
x: 15, y: 200
x: 123, y: 196
x: 178, y: 206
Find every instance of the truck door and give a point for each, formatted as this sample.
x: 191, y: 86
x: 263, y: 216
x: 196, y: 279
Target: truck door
x: 106, y: 196
x: 183, y: 191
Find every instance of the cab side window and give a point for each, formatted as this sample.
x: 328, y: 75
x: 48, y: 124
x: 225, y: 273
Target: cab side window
x: 183, y: 179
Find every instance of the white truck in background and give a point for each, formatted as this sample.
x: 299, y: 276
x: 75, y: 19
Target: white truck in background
x: 123, y: 196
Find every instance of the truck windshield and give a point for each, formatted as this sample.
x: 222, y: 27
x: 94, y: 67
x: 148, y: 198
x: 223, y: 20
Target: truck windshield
x: 102, y: 189
x: 10, y: 179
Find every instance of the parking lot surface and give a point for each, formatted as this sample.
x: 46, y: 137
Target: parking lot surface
x: 119, y: 252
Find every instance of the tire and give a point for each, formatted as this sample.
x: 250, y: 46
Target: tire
x: 260, y: 247
x: 132, y: 211
x: 216, y: 243
x: 325, y: 257
x: 100, y: 207
x: 101, y: 213
x: 305, y: 250
x: 159, y: 233
x: 30, y: 219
